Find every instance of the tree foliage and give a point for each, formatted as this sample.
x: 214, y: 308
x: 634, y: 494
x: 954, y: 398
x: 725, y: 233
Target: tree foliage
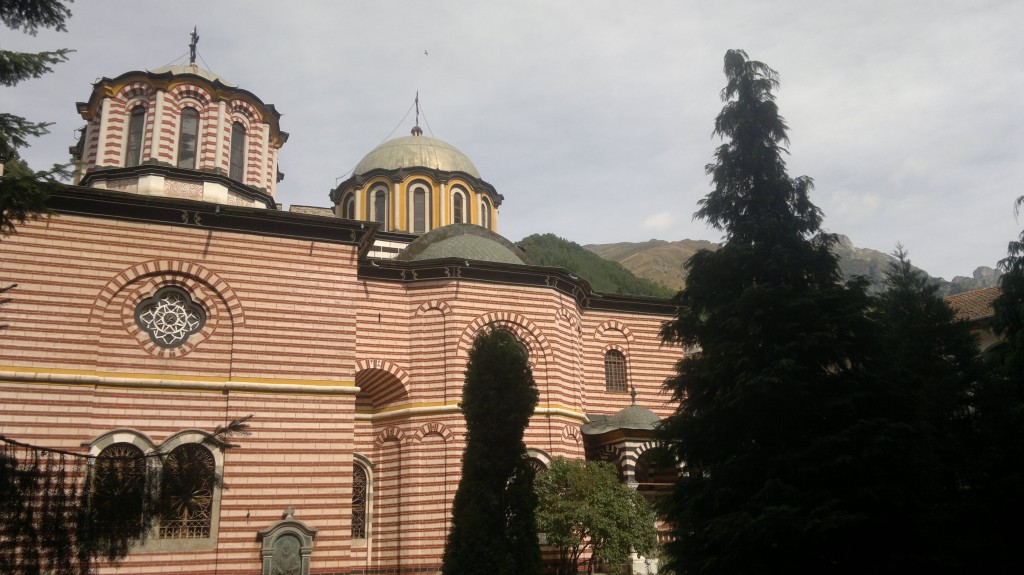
x: 603, y: 275
x: 796, y: 451
x: 493, y: 528
x: 583, y: 508
x: 996, y: 497
x: 23, y: 192
x: 933, y: 365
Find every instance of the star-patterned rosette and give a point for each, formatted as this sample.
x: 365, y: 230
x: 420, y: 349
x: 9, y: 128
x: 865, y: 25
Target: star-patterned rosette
x: 169, y: 317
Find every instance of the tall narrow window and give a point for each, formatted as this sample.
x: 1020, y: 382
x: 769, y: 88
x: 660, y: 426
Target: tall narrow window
x: 237, y: 152
x: 348, y: 207
x: 186, y: 492
x: 380, y: 207
x: 614, y: 371
x: 188, y: 138
x: 485, y: 213
x: 458, y: 208
x: 359, y: 489
x: 136, y: 125
x: 419, y: 211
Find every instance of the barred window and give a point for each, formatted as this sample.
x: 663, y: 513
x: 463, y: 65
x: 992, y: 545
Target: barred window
x: 614, y: 371
x: 187, y: 483
x: 359, y: 502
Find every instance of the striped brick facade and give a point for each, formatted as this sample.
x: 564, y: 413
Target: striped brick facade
x: 338, y: 366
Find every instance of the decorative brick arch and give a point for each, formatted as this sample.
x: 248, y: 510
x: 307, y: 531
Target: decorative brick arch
x: 647, y: 446
x: 615, y: 325
x: 390, y: 433
x: 183, y: 271
x: 568, y: 316
x: 244, y: 110
x: 432, y: 428
x: 135, y: 90
x: 383, y: 365
x: 181, y: 93
x: 523, y: 328
x: 434, y: 305
x: 611, y: 454
x: 571, y: 435
x: 619, y: 348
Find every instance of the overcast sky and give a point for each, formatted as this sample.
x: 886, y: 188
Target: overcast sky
x: 593, y: 118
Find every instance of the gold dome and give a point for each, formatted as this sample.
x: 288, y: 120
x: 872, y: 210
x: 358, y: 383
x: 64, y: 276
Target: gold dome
x: 416, y: 152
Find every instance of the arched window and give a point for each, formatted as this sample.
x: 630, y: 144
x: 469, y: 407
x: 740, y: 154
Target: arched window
x: 348, y: 206
x: 237, y: 171
x: 119, y: 484
x: 485, y: 212
x: 420, y: 209
x: 187, y: 484
x: 136, y: 125
x: 379, y: 206
x: 614, y: 371
x: 360, y: 488
x: 458, y: 207
x: 188, y: 138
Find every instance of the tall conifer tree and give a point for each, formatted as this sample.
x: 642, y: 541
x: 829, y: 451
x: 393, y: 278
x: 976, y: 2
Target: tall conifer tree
x: 998, y: 486
x: 791, y: 443
x: 493, y: 530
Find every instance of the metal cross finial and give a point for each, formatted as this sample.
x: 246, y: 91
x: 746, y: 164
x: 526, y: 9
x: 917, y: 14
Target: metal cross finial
x: 416, y: 130
x: 192, y: 46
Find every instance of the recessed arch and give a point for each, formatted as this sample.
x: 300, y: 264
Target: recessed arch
x: 380, y: 383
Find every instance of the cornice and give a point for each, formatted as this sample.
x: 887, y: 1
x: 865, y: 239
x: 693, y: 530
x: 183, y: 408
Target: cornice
x: 190, y: 175
x: 558, y: 279
x: 161, y: 210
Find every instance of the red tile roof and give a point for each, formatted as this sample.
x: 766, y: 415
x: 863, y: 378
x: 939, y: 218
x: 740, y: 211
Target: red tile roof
x: 974, y: 304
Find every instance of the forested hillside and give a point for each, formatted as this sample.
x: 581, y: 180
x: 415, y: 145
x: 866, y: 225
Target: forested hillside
x: 604, y: 276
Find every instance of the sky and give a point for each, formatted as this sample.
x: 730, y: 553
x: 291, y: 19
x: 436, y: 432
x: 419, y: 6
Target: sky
x: 594, y: 118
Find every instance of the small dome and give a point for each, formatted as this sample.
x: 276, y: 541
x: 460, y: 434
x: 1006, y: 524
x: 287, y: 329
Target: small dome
x: 416, y: 152
x: 465, y: 242
x: 634, y: 417
x: 194, y: 70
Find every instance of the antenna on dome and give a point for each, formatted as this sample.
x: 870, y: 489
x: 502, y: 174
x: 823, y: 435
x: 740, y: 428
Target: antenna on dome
x: 192, y: 46
x: 416, y: 130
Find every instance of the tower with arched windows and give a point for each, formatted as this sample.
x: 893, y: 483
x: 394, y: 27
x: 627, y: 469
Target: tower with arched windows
x: 415, y: 184
x: 179, y: 131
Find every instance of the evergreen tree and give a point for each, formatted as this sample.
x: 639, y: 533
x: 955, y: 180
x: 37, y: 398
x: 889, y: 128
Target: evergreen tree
x: 493, y: 529
x: 997, y: 494
x: 23, y: 192
x: 794, y: 449
x: 933, y: 362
